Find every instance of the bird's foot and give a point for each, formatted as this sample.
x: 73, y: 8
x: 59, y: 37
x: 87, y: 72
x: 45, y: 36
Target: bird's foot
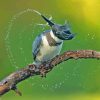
x: 43, y: 72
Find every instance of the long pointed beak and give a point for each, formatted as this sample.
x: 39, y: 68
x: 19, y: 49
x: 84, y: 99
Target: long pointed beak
x: 48, y: 21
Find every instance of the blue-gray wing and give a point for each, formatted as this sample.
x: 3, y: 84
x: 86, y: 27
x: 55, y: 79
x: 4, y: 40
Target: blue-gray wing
x: 36, y: 46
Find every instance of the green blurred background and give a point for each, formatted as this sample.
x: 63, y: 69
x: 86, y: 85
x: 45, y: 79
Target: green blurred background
x: 71, y: 80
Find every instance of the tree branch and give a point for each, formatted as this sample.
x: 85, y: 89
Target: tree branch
x: 10, y: 82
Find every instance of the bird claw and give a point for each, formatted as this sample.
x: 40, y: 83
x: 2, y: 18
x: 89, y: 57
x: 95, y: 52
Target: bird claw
x: 43, y: 72
x: 43, y: 75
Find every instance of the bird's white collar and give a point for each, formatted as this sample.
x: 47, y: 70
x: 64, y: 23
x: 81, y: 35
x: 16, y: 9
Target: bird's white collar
x: 55, y: 37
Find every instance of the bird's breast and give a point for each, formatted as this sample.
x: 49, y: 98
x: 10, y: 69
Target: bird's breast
x: 47, y: 52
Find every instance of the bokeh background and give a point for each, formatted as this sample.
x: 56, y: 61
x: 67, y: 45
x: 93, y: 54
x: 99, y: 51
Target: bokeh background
x: 71, y: 80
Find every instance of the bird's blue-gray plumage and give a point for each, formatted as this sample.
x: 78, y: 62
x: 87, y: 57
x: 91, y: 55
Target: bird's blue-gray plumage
x: 36, y: 46
x: 45, y: 47
x: 48, y: 44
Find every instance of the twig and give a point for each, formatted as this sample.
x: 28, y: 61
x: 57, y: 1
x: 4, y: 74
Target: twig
x: 10, y: 82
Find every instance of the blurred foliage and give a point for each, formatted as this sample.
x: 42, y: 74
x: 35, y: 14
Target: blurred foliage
x: 72, y: 80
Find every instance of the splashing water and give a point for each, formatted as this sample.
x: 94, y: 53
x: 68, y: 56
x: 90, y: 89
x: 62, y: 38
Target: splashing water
x: 92, y: 36
x: 11, y: 56
x: 8, y: 34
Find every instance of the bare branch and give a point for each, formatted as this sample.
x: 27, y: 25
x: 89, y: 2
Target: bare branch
x: 10, y: 82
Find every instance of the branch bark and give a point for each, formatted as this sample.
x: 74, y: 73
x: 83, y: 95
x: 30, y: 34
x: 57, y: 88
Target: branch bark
x: 10, y: 82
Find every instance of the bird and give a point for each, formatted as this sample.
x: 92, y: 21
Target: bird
x: 49, y: 43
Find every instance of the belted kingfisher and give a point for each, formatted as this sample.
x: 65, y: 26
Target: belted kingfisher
x: 49, y: 43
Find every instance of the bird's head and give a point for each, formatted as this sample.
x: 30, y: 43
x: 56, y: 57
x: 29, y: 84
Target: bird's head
x: 61, y: 31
